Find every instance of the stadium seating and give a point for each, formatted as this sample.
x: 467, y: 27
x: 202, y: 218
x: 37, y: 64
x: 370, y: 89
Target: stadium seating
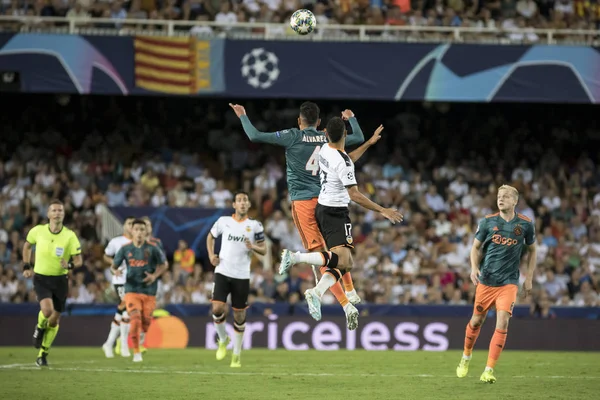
x: 440, y: 164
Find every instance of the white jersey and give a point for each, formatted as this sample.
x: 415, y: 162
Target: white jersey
x: 234, y: 257
x: 337, y: 173
x: 112, y: 248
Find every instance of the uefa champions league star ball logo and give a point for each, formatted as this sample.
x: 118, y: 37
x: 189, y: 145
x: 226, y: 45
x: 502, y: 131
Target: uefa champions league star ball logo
x: 260, y: 68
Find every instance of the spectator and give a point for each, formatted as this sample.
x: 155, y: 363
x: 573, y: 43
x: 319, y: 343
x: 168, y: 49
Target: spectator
x: 184, y: 260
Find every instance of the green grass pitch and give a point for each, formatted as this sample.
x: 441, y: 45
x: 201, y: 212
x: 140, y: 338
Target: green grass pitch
x: 84, y: 373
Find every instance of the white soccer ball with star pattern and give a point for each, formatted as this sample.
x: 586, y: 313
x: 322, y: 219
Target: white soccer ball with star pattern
x: 260, y: 68
x: 303, y: 22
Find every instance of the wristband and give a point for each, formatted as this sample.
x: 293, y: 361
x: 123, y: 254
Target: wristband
x: 26, y: 267
x: 70, y: 266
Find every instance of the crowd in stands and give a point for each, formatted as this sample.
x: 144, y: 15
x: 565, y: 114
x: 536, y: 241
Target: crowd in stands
x: 498, y: 14
x: 441, y: 164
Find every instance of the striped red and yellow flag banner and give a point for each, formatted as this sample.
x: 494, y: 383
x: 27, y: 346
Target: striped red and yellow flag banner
x: 164, y: 64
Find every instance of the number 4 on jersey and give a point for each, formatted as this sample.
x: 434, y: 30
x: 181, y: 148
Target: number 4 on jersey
x: 313, y: 162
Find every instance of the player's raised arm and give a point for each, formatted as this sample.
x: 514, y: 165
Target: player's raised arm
x: 283, y: 138
x: 358, y: 153
x: 357, y: 136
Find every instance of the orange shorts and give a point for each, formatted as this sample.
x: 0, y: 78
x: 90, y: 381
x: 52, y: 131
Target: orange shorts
x: 143, y: 303
x: 503, y: 297
x: 305, y: 220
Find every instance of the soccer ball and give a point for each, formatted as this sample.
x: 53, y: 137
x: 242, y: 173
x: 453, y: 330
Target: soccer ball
x: 303, y: 22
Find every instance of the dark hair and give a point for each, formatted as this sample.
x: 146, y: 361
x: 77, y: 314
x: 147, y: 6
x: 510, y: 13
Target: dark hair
x: 56, y: 202
x: 335, y: 129
x: 309, y: 111
x: 129, y: 217
x: 240, y: 192
x: 138, y: 221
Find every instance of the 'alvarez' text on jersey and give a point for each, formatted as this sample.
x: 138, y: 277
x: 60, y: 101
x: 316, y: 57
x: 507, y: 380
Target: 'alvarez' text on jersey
x: 502, y: 246
x: 301, y: 154
x: 337, y: 174
x: 235, y: 257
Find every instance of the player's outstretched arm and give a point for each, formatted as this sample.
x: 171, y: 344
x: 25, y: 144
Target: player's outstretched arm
x: 358, y: 153
x: 390, y: 213
x: 284, y: 138
x: 357, y: 136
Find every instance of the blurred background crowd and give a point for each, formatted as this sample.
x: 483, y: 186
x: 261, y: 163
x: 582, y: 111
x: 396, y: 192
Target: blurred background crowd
x: 439, y: 163
x: 499, y: 14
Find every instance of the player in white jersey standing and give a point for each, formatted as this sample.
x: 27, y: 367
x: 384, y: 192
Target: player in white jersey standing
x: 120, y: 323
x: 338, y: 187
x: 241, y: 237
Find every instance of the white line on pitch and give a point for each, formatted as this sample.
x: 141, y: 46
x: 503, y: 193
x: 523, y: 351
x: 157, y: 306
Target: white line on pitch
x: 25, y: 365
x: 283, y: 374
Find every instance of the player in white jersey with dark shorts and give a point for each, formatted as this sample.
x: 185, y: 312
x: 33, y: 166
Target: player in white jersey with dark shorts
x: 338, y: 188
x: 120, y: 323
x: 240, y: 238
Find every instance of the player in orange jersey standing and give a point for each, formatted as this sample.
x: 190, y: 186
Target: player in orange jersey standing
x: 495, y: 258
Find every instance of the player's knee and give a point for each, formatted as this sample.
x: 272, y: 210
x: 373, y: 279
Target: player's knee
x: 218, y: 308
x: 502, y: 320
x: 477, y: 320
x: 344, y: 258
x: 54, y: 319
x: 239, y: 322
x: 47, y: 308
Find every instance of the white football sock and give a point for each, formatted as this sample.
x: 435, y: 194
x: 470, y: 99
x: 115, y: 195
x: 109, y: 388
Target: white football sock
x: 310, y: 258
x: 327, y: 281
x: 115, y: 331
x: 238, y: 338
x: 466, y: 357
x: 221, y: 331
x: 142, y: 338
x: 125, y: 333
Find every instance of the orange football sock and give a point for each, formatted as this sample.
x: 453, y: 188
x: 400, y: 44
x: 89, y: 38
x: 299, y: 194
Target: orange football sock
x: 348, y: 284
x: 496, y: 346
x: 135, y: 332
x: 337, y: 291
x: 470, y: 338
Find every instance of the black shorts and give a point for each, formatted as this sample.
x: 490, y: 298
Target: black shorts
x: 335, y: 226
x: 239, y: 289
x: 52, y: 287
x: 120, y: 289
